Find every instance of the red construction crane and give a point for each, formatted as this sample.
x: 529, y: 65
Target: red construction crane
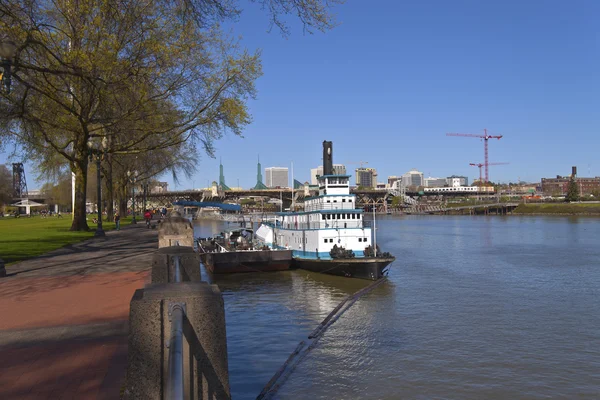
x: 485, y: 138
x: 481, y: 165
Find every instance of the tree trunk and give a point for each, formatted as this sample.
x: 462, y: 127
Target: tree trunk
x: 79, y: 216
x: 110, y: 193
x: 123, y: 201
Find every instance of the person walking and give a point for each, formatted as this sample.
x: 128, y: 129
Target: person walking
x: 147, y: 217
x: 118, y: 221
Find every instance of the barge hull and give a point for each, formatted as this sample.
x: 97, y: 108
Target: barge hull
x: 361, y: 268
x: 248, y: 261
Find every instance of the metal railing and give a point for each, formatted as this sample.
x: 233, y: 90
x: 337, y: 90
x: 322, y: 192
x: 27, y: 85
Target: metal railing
x: 177, y: 269
x: 330, y: 206
x: 175, y: 377
x: 324, y: 224
x: 175, y: 387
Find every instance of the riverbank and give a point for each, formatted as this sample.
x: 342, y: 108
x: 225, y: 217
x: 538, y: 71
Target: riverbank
x: 65, y: 317
x: 589, y: 209
x: 24, y: 238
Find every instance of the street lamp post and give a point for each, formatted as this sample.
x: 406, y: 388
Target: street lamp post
x: 7, y: 53
x: 145, y: 188
x: 132, y: 178
x: 99, y: 154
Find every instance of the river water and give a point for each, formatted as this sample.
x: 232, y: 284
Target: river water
x: 475, y: 308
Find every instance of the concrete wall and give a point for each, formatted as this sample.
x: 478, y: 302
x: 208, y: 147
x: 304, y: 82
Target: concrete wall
x: 173, y: 229
x: 205, y: 348
x: 162, y: 264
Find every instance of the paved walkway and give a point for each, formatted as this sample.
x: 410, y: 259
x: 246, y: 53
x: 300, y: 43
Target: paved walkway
x: 63, y: 317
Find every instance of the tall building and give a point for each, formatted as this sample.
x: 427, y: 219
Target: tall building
x: 366, y: 177
x: 435, y: 182
x: 338, y: 169
x: 456, y: 181
x: 222, y: 184
x: 259, y: 179
x: 413, y: 178
x: 277, y: 177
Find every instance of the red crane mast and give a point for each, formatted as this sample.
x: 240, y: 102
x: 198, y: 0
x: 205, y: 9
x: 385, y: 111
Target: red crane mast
x: 485, y: 138
x: 481, y: 165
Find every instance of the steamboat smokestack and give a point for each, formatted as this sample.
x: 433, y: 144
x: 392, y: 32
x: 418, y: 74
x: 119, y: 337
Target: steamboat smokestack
x: 327, y: 158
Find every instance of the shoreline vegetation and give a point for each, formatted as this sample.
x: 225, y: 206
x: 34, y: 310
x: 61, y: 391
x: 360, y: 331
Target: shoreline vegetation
x: 569, y: 209
x: 24, y: 238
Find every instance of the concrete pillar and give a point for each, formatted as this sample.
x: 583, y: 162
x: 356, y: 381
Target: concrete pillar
x: 175, y: 229
x: 162, y: 264
x: 205, y: 342
x: 2, y: 269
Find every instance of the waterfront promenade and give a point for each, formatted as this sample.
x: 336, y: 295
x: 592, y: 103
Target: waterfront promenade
x: 63, y: 317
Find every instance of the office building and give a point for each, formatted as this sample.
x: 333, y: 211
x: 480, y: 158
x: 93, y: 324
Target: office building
x: 276, y: 177
x: 338, y: 169
x: 559, y: 186
x: 160, y: 187
x: 366, y: 177
x: 457, y: 181
x: 413, y: 178
x: 391, y: 182
x: 435, y: 182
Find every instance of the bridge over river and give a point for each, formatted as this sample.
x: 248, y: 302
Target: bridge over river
x: 364, y: 198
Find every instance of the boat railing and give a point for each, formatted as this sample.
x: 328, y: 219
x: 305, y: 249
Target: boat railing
x: 221, y: 248
x: 339, y: 224
x: 329, y: 206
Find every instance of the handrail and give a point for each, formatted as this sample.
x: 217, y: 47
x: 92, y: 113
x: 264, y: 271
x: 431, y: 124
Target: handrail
x: 175, y: 377
x: 177, y: 269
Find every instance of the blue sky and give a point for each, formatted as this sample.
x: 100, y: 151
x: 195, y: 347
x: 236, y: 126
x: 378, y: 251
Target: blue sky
x: 388, y: 83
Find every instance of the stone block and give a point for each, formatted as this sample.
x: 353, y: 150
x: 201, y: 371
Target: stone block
x: 205, y: 342
x: 163, y: 265
x: 175, y: 229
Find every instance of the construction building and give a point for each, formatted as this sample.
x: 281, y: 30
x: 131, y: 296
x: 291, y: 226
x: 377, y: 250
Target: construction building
x: 277, y: 177
x: 366, y: 177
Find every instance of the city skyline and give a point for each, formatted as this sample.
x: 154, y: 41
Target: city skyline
x: 386, y: 86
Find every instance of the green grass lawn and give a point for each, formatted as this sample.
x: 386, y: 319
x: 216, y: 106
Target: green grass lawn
x: 23, y: 238
x: 559, y: 208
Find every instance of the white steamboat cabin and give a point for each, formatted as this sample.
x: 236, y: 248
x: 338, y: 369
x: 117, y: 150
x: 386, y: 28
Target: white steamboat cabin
x: 329, y: 219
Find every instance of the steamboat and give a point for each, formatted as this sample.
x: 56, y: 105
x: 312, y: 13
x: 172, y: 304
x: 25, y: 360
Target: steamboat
x: 330, y: 236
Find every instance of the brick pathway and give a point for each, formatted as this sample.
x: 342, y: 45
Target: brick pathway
x: 63, y: 317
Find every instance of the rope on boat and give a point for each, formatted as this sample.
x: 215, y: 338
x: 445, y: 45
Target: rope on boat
x: 303, y: 348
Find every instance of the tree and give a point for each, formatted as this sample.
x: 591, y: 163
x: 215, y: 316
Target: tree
x: 5, y: 185
x: 572, y: 190
x: 143, y: 77
x: 59, y: 191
